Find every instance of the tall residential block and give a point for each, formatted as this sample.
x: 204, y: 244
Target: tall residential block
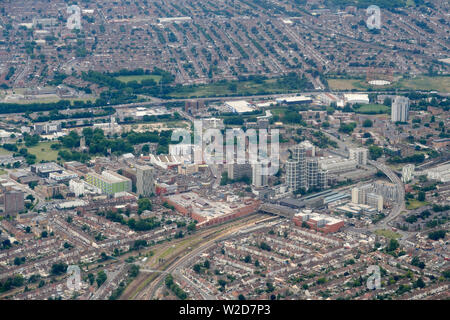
x: 145, y: 184
x: 400, y: 109
x: 237, y: 171
x: 293, y: 175
x: 14, y: 202
x: 359, y: 154
x: 260, y: 176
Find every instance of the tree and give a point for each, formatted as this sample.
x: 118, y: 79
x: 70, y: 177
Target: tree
x: 367, y: 123
x: 197, y: 268
x: 58, y: 268
x: 91, y: 278
x: 420, y: 283
x: 101, y: 277
x: 191, y: 227
x: 375, y: 152
x: 144, y: 204
x: 421, y: 196
x: 393, y: 245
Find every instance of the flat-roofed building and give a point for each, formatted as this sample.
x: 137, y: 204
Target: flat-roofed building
x: 359, y: 154
x: 109, y: 182
x: 14, y: 202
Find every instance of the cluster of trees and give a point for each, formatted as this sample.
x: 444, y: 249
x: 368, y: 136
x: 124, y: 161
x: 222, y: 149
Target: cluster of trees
x: 347, y: 127
x: 55, y: 115
x: 436, y: 235
x: 144, y: 204
x: 139, y: 225
x: 415, y: 158
x: 199, y: 267
x: 225, y: 180
x: 58, y: 268
x: 172, y: 286
x: 11, y: 283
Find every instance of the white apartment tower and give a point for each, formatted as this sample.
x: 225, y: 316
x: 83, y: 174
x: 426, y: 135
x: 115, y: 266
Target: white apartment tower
x: 359, y: 154
x: 400, y: 109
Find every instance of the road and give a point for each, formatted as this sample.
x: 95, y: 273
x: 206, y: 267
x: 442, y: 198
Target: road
x: 399, y: 205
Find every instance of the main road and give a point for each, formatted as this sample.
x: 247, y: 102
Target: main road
x: 399, y: 205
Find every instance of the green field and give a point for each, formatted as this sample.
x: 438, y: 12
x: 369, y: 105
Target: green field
x: 234, y: 88
x: 127, y: 79
x: 388, y: 234
x: 441, y: 84
x: 42, y: 151
x: 426, y: 83
x: 373, y: 109
x: 412, y: 204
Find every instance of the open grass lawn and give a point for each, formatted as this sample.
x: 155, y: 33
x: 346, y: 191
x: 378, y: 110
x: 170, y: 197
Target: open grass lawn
x: 127, y: 79
x: 441, y: 84
x: 236, y: 88
x: 42, y: 151
x: 373, y: 109
x: 427, y: 83
x: 388, y: 234
x: 344, y: 84
x: 412, y: 204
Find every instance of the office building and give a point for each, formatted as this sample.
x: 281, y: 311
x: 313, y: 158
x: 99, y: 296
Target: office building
x: 400, y: 109
x: 145, y: 184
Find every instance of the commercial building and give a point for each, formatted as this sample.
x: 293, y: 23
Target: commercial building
x: 439, y: 173
x: 318, y: 222
x: 239, y: 106
x: 295, y: 100
x: 208, y: 211
x: 400, y: 109
x: 109, y: 182
x: 335, y: 164
x: 359, y: 154
x: 356, y: 98
x: 45, y: 169
x: 14, y: 202
x: 145, y: 183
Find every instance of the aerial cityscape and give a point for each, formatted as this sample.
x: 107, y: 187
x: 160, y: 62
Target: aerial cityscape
x: 224, y: 150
